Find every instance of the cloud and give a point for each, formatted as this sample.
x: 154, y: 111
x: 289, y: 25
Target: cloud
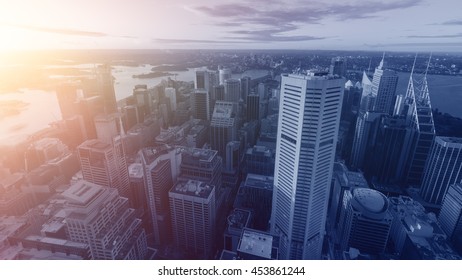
x: 271, y: 35
x: 301, y: 12
x: 190, y: 41
x: 272, y: 21
x: 62, y: 31
x: 436, y: 36
x: 65, y: 31
x: 452, y: 22
x: 416, y: 44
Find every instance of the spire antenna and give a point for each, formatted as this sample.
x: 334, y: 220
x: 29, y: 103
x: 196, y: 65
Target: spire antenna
x: 428, y: 64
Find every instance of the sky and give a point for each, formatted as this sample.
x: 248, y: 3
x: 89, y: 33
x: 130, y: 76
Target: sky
x: 386, y: 25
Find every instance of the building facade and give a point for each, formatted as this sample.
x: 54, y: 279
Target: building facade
x: 309, y: 116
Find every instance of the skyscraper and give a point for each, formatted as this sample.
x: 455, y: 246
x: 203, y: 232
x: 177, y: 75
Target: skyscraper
x: 309, y: 116
x: 193, y: 209
x: 105, y: 86
x: 367, y: 126
x: 444, y: 168
x: 222, y: 127
x: 200, y: 104
x: 99, y: 217
x: 105, y: 164
x: 338, y: 66
x: 420, y: 120
x: 161, y: 168
x: 451, y: 214
x: 224, y: 74
x: 366, y: 221
x: 384, y: 85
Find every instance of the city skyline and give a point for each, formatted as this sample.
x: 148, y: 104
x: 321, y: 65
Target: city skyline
x: 411, y: 25
x: 223, y: 155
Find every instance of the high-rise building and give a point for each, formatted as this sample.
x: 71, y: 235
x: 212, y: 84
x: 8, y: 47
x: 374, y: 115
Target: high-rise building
x: 245, y: 87
x: 201, y: 165
x: 416, y: 234
x: 309, y: 116
x: 444, y: 168
x: 105, y: 164
x: 200, y: 104
x: 205, y: 79
x: 342, y: 180
x: 67, y: 98
x: 223, y: 127
x: 193, y: 210
x: 99, y: 217
x: 338, y: 66
x: 105, y: 87
x: 367, y: 125
x: 224, y: 74
x: 420, y: 119
x: 161, y: 168
x: 450, y: 216
x: 365, y: 220
x: 232, y: 90
x: 384, y: 85
x: 386, y: 158
x: 253, y: 107
x: 107, y: 127
x: 170, y: 93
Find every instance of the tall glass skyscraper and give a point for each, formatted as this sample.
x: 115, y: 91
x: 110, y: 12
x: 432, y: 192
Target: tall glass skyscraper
x: 309, y: 116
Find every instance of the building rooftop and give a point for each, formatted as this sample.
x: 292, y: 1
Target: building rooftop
x: 192, y: 188
x: 96, y: 145
x: 9, y: 225
x: 152, y: 153
x: 135, y: 170
x: 259, y: 181
x: 82, y: 192
x: 447, y: 141
x: 313, y: 75
x: 238, y: 219
x: 256, y: 243
x: 223, y: 109
x: 196, y: 154
x: 370, y: 200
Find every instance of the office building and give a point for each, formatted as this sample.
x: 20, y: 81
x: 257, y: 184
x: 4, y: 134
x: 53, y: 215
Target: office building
x: 257, y: 245
x: 105, y: 88
x: 223, y: 127
x: 161, y: 169
x: 259, y: 160
x: 99, y: 217
x: 450, y: 216
x: 384, y: 85
x: 170, y: 93
x: 200, y: 104
x: 444, y: 168
x: 309, y: 116
x: 342, y: 180
x: 224, y: 74
x: 205, y: 79
x: 105, y: 164
x: 338, y: 66
x: 256, y: 194
x: 245, y: 87
x: 420, y: 120
x: 387, y: 157
x: 253, y: 107
x: 193, y: 212
x: 365, y: 135
x: 365, y: 220
x: 237, y: 220
x: 416, y: 234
